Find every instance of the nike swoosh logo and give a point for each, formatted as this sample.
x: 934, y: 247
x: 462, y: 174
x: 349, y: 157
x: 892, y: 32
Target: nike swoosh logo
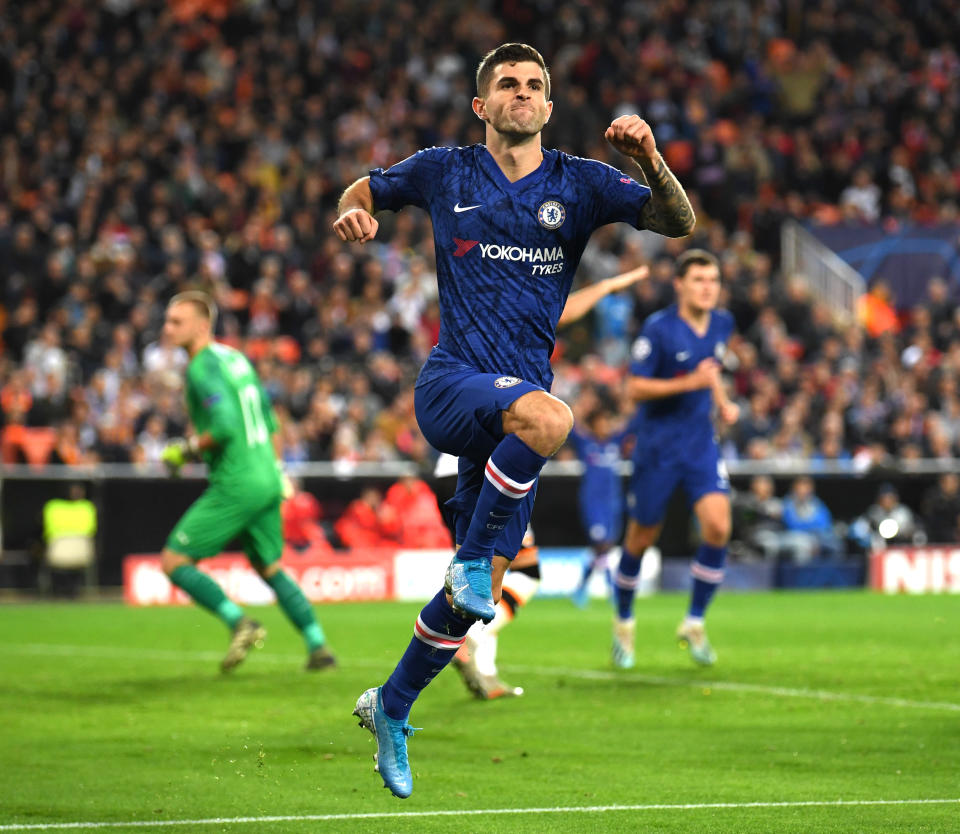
x: 458, y: 208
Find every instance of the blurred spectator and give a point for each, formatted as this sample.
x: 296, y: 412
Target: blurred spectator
x: 830, y: 451
x: 163, y: 362
x: 808, y: 525
x: 367, y: 522
x: 877, y: 311
x: 152, y: 439
x: 301, y: 515
x: 940, y: 310
x: 415, y: 507
x: 15, y: 396
x: 757, y: 520
x: 861, y: 199
x: 888, y: 521
x: 44, y: 358
x: 66, y: 448
x: 941, y: 509
x: 757, y: 422
x: 218, y: 152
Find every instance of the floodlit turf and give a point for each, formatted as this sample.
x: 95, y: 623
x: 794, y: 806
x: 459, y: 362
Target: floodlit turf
x: 117, y: 714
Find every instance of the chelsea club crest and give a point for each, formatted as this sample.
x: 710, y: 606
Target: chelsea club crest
x: 551, y: 214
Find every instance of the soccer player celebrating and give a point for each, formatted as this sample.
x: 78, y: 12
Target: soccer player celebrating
x: 675, y: 376
x: 510, y: 222
x: 234, y: 425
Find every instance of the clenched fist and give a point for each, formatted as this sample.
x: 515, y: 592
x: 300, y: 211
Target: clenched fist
x: 729, y: 412
x: 356, y: 225
x: 705, y: 375
x: 632, y: 136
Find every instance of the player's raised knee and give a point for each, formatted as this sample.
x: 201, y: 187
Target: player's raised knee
x: 547, y: 426
x: 170, y: 561
x: 540, y: 420
x: 556, y: 421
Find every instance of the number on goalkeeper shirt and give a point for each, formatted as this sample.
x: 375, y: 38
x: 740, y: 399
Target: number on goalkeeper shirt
x: 254, y: 424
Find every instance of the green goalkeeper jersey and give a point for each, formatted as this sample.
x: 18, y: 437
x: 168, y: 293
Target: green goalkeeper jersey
x: 225, y: 397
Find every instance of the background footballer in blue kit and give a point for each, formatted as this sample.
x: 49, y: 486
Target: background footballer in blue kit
x: 675, y: 378
x: 676, y: 442
x: 600, y: 497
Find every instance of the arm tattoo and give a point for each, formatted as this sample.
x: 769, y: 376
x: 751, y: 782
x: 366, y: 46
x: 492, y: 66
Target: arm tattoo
x: 668, y: 210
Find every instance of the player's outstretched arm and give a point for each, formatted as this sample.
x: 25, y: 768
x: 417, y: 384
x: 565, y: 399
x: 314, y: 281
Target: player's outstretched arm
x: 668, y: 211
x: 641, y: 388
x: 356, y: 222
x: 583, y: 301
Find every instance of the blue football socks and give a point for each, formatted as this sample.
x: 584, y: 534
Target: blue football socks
x: 707, y: 573
x: 510, y: 474
x: 437, y: 635
x: 625, y: 583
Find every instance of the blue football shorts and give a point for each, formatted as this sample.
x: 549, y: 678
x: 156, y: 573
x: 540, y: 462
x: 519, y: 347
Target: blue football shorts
x: 654, y: 481
x: 602, y: 520
x: 460, y: 413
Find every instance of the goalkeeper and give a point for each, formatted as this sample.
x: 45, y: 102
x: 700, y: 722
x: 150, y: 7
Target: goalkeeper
x: 234, y: 424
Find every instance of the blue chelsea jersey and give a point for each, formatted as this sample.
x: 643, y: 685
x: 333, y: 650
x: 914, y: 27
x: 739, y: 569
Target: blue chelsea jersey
x: 601, y: 466
x: 506, y: 251
x: 668, y: 347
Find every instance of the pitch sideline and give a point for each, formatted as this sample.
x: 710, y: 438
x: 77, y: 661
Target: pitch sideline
x: 586, y: 809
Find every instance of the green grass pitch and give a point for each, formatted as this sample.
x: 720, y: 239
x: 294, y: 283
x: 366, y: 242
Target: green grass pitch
x: 113, y: 714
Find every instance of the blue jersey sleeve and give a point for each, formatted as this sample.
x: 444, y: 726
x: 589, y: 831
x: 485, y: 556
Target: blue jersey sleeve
x: 618, y: 197
x: 578, y: 441
x: 411, y: 182
x: 729, y: 325
x: 646, y: 351
x: 725, y: 330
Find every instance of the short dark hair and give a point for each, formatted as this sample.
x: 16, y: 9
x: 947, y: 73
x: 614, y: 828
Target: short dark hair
x: 510, y: 53
x: 695, y: 257
x: 202, y: 302
x: 602, y: 410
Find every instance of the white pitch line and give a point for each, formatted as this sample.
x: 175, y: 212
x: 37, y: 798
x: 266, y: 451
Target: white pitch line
x: 59, y: 650
x: 586, y: 809
x: 734, y: 686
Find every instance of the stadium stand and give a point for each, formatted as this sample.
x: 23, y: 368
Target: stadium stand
x: 147, y: 147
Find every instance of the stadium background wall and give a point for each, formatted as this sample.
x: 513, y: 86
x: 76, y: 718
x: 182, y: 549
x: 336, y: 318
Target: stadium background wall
x: 136, y: 514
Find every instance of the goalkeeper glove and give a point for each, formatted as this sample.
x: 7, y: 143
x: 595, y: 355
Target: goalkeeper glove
x: 287, y: 489
x: 177, y: 452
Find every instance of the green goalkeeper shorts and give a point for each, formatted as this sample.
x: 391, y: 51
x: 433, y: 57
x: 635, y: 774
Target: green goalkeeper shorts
x: 215, y: 519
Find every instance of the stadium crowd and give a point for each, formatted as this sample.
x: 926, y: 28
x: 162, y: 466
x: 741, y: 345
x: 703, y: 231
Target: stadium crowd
x: 147, y: 147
